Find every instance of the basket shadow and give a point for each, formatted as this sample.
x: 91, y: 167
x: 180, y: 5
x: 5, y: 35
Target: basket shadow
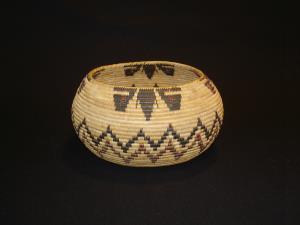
x: 81, y: 160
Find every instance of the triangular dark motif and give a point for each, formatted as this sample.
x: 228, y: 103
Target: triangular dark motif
x: 173, y: 101
x: 147, y: 98
x: 149, y: 69
x: 87, y: 137
x: 121, y: 101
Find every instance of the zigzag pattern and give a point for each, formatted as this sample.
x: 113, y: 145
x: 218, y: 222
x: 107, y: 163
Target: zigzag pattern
x: 102, y: 144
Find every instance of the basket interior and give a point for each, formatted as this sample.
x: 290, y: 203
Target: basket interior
x: 145, y: 74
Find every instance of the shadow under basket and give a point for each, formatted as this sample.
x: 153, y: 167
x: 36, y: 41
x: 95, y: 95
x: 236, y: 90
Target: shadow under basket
x: 147, y: 114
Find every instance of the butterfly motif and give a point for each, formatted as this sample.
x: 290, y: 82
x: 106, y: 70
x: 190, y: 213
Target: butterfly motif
x: 146, y: 98
x: 149, y: 69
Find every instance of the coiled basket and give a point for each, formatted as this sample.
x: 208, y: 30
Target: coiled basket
x: 147, y: 114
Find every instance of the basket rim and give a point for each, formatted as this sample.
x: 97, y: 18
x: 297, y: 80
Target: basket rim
x: 89, y: 77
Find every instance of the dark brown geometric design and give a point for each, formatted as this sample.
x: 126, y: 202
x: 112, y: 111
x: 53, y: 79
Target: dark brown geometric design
x: 149, y: 69
x: 210, y: 86
x: 146, y: 98
x: 167, y: 69
x: 102, y: 144
x: 81, y: 86
x: 121, y: 101
x: 131, y: 69
x: 172, y: 101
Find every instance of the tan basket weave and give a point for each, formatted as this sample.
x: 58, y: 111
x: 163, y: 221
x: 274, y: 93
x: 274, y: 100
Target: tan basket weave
x: 147, y: 114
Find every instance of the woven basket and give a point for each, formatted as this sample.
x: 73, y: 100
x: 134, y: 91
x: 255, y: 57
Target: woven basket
x: 147, y: 114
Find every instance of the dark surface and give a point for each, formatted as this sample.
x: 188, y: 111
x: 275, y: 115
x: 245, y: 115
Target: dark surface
x: 48, y: 177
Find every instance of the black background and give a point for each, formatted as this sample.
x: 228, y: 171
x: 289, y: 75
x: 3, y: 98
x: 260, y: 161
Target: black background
x: 246, y: 177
